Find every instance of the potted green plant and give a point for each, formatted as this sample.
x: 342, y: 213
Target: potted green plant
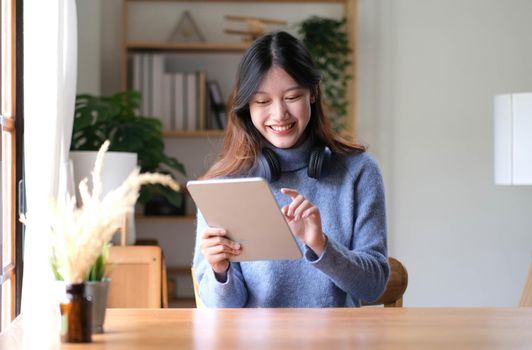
x: 328, y: 43
x: 115, y: 118
x: 96, y: 286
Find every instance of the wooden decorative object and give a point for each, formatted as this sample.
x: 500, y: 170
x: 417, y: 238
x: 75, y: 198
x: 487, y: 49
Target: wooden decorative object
x: 186, y: 30
x: 256, y: 26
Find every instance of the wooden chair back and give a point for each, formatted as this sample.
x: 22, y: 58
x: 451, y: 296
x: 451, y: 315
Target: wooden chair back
x: 526, y: 296
x: 136, y: 277
x: 199, y: 303
x: 396, y: 286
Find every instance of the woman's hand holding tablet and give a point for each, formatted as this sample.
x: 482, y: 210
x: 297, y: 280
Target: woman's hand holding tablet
x: 253, y: 226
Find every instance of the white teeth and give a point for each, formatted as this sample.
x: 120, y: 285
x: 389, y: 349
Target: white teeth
x: 281, y: 127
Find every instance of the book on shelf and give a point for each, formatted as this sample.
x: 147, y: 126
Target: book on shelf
x: 217, y: 104
x: 209, y: 114
x: 177, y: 99
x: 201, y: 102
x: 146, y: 79
x: 188, y: 100
x: 145, y: 85
x: 159, y: 88
x: 136, y: 76
x: 191, y: 91
x: 167, y: 103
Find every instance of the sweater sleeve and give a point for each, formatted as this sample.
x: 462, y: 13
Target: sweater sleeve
x: 214, y: 293
x: 362, y: 269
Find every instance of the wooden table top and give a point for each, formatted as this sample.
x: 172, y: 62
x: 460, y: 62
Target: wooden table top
x: 348, y: 328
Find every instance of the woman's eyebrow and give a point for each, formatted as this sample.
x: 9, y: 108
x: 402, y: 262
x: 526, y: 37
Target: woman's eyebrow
x: 285, y: 91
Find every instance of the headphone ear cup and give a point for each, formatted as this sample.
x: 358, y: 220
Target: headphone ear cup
x: 313, y: 162
x: 272, y: 168
x: 317, y: 161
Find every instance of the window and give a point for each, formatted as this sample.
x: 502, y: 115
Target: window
x: 8, y: 162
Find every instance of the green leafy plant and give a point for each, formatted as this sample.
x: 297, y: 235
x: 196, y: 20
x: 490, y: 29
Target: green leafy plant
x: 97, y: 271
x: 328, y: 43
x: 115, y: 118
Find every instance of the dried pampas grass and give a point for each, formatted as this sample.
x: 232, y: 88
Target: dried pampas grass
x: 79, y: 234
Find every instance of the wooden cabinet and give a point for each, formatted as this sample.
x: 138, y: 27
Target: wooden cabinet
x: 137, y: 269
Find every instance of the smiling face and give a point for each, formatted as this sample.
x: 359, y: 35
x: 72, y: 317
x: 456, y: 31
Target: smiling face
x: 280, y: 109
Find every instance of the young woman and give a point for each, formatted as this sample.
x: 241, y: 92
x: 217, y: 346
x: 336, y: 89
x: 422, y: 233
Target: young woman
x: 331, y: 192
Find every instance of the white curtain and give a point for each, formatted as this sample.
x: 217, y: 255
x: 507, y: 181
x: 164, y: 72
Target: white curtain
x: 50, y: 69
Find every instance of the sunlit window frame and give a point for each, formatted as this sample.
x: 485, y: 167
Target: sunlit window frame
x: 7, y: 117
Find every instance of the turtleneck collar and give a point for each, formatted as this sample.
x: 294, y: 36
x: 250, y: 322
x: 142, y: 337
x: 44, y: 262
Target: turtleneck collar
x: 292, y: 159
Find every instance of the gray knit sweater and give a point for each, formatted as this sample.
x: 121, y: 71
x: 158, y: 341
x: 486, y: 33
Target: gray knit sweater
x: 353, y: 266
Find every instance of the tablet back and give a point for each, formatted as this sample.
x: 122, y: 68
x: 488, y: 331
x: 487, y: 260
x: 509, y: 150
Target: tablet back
x: 247, y: 210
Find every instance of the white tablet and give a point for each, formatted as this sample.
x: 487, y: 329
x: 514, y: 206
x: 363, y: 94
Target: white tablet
x: 247, y: 210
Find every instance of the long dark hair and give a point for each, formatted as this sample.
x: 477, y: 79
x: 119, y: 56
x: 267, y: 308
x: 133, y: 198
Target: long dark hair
x: 242, y: 140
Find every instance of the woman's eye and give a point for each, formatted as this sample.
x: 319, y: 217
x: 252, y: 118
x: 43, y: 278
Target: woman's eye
x: 293, y: 98
x: 261, y: 102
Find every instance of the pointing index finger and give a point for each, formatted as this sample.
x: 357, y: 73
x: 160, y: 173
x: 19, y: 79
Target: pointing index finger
x: 290, y: 192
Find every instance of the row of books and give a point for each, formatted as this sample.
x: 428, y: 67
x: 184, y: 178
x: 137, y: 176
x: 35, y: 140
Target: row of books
x: 181, y: 100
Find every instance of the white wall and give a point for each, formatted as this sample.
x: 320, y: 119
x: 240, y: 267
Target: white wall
x: 427, y: 74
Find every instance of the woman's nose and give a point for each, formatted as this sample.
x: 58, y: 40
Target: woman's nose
x: 280, y: 110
